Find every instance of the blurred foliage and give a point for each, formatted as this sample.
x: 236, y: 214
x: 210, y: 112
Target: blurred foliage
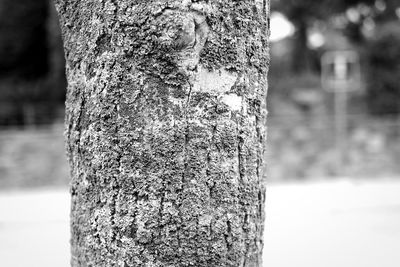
x: 383, y: 92
x: 33, y: 158
x: 305, y: 14
x: 304, y: 148
x: 32, y: 81
x: 302, y: 130
x: 370, y: 27
x: 305, y: 11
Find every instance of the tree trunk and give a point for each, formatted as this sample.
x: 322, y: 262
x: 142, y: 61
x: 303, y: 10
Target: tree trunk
x: 301, y: 54
x: 166, y: 106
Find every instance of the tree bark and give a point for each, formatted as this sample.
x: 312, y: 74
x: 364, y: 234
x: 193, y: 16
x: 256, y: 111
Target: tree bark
x: 166, y: 106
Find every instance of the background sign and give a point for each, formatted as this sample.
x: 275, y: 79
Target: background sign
x: 340, y: 71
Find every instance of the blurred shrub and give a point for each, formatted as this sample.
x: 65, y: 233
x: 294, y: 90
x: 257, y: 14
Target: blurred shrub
x: 292, y: 82
x: 304, y: 149
x: 383, y: 92
x: 33, y: 158
x: 294, y: 93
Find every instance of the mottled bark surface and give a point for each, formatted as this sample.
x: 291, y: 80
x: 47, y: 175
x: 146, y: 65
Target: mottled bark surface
x: 166, y: 107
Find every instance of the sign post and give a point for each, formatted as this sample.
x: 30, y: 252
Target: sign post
x: 340, y: 75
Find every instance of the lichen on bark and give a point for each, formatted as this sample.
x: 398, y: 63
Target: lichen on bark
x: 166, y: 106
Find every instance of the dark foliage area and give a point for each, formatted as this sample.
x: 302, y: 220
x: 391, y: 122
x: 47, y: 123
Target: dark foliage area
x: 31, y: 67
x: 23, y: 48
x: 383, y: 92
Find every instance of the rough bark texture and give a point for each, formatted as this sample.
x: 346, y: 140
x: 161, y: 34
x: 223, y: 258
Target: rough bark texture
x: 166, y: 106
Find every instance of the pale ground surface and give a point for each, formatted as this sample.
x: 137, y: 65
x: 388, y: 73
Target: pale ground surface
x: 319, y: 224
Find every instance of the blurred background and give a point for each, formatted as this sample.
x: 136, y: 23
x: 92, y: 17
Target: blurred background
x: 312, y: 116
x: 333, y: 152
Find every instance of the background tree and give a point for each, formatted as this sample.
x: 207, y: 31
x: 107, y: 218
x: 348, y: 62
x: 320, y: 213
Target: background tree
x: 165, y: 127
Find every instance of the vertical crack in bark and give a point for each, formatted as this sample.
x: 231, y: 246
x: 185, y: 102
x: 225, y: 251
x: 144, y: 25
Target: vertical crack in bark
x: 242, y: 176
x: 116, y: 187
x: 113, y: 211
x: 265, y: 8
x: 266, y: 13
x: 259, y: 148
x: 187, y: 130
x: 115, y: 182
x: 247, y: 243
x: 79, y: 121
x: 210, y: 182
x: 160, y: 211
x: 76, y: 161
x: 228, y: 234
x: 240, y: 153
x: 188, y: 97
x: 260, y: 152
